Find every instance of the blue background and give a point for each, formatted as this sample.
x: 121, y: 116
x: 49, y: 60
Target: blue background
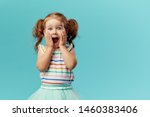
x: 113, y: 47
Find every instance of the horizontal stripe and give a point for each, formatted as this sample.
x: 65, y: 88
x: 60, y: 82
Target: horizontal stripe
x: 52, y: 63
x: 55, y: 85
x: 56, y: 53
x: 55, y: 82
x: 56, y: 76
x: 57, y: 61
x: 57, y: 65
x: 57, y: 79
x: 58, y: 69
x: 62, y: 75
x: 63, y: 72
x: 56, y: 57
x: 61, y: 67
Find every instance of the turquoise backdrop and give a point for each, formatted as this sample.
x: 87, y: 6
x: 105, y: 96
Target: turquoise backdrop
x: 113, y: 47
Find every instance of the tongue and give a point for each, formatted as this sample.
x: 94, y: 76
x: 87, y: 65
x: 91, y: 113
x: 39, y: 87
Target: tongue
x: 55, y: 40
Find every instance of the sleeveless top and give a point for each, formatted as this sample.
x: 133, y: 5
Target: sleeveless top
x: 57, y: 72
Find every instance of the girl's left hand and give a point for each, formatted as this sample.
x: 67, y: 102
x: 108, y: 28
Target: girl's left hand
x: 63, y: 39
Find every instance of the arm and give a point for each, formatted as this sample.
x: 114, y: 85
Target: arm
x: 69, y: 57
x: 43, y: 59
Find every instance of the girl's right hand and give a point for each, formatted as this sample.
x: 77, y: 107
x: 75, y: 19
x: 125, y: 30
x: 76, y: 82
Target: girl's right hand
x: 48, y: 38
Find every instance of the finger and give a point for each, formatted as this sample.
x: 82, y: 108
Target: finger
x: 63, y: 32
x: 45, y: 33
x: 49, y: 37
x: 60, y: 36
x: 64, y: 36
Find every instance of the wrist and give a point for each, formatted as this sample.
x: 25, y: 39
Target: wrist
x: 49, y: 48
x: 62, y: 46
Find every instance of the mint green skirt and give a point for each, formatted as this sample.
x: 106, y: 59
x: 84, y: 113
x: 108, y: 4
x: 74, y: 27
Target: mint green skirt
x: 54, y: 92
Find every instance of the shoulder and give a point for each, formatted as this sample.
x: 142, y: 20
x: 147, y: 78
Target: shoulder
x: 41, y: 48
x: 69, y: 46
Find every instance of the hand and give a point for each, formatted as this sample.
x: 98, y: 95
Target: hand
x: 48, y: 38
x: 63, y: 39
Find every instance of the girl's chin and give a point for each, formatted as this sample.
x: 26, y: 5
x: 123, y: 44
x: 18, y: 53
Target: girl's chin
x: 56, y: 46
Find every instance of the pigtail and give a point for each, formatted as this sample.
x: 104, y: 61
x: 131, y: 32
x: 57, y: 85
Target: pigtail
x: 72, y: 29
x: 38, y: 33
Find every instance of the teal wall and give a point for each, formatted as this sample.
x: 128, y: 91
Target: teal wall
x: 113, y: 47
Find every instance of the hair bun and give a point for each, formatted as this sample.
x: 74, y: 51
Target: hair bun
x: 72, y: 29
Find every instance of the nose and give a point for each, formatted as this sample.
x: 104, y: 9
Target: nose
x: 54, y: 31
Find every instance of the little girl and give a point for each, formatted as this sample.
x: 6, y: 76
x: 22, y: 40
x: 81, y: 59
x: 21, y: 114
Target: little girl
x: 57, y: 58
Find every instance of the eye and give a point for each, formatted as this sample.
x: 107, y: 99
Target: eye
x: 49, y: 28
x: 59, y: 28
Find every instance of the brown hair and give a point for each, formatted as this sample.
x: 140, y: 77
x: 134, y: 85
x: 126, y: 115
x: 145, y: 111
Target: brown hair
x: 70, y: 25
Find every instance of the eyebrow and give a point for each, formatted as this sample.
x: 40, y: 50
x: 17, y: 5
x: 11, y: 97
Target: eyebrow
x: 56, y: 25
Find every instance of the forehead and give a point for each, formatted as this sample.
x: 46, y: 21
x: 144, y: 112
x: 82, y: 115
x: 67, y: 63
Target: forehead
x: 53, y: 22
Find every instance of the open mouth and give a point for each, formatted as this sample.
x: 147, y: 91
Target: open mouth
x: 55, y: 39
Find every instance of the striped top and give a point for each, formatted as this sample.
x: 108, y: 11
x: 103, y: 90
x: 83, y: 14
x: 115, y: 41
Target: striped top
x: 57, y: 72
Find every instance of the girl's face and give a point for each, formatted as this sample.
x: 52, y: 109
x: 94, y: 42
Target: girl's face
x: 55, y: 28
